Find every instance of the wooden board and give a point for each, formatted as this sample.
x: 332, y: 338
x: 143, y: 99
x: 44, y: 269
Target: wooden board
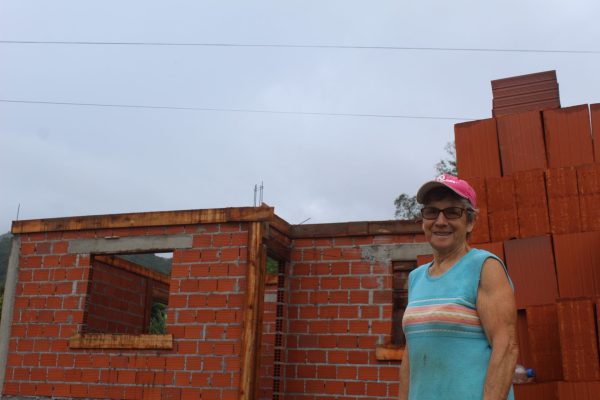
x: 118, y: 341
x: 134, y: 268
x: 252, y: 329
x: 145, y: 219
x: 389, y: 353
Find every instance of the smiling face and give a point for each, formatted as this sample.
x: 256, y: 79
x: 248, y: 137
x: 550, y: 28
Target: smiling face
x: 446, y: 235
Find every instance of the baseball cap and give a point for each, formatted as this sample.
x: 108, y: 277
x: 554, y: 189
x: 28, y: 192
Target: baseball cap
x: 457, y: 185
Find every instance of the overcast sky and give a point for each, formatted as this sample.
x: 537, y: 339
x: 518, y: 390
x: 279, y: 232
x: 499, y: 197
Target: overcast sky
x: 64, y: 160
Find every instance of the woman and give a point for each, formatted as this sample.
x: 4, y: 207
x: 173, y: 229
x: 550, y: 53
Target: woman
x: 461, y: 315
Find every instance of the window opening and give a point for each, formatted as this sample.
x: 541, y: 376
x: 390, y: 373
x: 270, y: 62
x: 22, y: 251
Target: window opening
x: 400, y: 269
x: 128, y: 294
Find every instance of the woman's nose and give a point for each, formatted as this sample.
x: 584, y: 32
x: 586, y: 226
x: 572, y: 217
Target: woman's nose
x: 441, y: 219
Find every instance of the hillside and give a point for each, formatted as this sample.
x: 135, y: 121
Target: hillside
x: 4, y: 253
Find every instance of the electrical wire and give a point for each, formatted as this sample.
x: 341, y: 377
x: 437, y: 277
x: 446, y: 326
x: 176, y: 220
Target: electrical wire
x: 239, y: 110
x: 300, y: 46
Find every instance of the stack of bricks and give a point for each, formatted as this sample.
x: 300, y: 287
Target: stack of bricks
x: 537, y: 176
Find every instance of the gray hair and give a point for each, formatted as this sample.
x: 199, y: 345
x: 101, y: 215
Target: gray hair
x: 471, y: 211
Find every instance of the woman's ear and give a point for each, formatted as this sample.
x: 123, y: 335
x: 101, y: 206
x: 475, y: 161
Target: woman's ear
x: 471, y: 224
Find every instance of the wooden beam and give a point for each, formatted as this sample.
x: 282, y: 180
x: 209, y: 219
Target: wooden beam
x: 364, y: 228
x: 134, y: 268
x: 119, y: 341
x: 278, y: 242
x: 251, y: 332
x: 260, y: 309
x: 280, y: 224
x: 145, y: 219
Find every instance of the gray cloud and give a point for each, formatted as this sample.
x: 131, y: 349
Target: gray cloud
x: 66, y: 160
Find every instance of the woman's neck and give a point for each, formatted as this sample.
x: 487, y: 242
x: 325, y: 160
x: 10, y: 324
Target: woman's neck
x: 443, y: 261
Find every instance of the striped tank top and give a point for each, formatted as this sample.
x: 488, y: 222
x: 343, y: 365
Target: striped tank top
x: 448, y: 349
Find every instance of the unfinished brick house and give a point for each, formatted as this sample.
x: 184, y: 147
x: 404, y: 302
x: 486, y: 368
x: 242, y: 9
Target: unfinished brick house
x: 78, y: 313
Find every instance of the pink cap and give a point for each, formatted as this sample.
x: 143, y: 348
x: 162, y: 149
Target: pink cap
x: 457, y: 185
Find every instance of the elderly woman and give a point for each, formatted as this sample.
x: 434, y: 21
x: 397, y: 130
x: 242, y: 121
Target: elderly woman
x: 461, y: 315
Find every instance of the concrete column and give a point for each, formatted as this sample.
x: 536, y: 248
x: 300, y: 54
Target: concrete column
x: 9, y: 304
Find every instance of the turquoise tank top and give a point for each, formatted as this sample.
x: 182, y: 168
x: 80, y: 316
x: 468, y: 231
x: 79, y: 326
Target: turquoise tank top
x: 448, y: 349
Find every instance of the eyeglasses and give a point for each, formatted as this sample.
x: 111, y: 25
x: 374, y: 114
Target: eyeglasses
x: 449, y: 213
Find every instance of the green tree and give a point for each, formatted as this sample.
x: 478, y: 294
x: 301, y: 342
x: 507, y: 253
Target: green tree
x: 272, y: 266
x: 406, y: 205
x: 448, y: 164
x: 158, y: 319
x: 5, y: 245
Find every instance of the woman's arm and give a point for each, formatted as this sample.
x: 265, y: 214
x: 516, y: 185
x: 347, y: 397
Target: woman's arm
x: 498, y: 313
x: 404, y: 375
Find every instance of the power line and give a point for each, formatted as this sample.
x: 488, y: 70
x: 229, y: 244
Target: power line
x: 300, y: 46
x: 240, y: 110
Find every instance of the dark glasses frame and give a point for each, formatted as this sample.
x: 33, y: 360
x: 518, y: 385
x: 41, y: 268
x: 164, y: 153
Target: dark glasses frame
x: 449, y: 212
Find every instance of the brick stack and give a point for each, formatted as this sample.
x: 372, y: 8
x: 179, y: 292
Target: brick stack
x: 537, y: 175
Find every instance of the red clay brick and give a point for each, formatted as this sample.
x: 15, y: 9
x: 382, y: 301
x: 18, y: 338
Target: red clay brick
x: 588, y: 184
x: 60, y: 247
x: 578, y: 340
x: 355, y: 388
x: 226, y: 285
x: 577, y: 257
x: 502, y: 208
x: 544, y: 342
x: 27, y: 248
x: 568, y: 136
x: 530, y: 263
x: 521, y: 140
x: 563, y: 200
x: 532, y: 203
x: 370, y: 282
x: 477, y: 152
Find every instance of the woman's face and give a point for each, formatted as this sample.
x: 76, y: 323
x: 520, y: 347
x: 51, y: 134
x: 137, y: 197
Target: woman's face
x: 446, y: 235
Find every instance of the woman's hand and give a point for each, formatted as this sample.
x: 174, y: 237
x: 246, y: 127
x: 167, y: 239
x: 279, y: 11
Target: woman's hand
x: 404, y: 375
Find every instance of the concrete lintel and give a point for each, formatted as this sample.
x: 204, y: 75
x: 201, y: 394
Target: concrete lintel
x: 130, y: 244
x: 395, y: 252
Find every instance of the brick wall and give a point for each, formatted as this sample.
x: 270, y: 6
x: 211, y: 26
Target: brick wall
x: 336, y: 303
x: 339, y: 309
x: 204, y: 317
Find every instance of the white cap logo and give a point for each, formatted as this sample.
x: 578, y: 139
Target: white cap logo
x: 444, y: 178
